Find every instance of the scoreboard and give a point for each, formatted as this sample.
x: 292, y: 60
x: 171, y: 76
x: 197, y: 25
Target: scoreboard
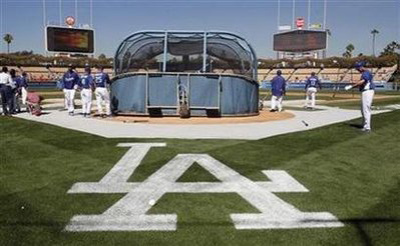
x: 300, y: 41
x: 71, y: 40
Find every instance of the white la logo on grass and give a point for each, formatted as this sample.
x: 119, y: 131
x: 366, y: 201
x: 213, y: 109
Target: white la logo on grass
x: 129, y: 213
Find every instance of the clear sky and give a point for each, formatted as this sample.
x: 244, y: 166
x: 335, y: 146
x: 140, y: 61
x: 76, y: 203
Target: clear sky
x: 350, y: 21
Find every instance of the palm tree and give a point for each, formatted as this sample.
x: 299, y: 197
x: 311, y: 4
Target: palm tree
x: 374, y: 33
x: 349, y: 51
x: 102, y: 57
x: 8, y: 39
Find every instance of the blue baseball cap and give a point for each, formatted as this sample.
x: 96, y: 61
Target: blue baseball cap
x: 360, y: 64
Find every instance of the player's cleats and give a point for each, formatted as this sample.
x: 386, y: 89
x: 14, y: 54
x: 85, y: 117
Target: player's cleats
x: 365, y: 130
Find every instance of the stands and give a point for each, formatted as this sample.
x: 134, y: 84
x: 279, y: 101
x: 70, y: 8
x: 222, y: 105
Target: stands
x: 383, y: 74
x: 43, y: 75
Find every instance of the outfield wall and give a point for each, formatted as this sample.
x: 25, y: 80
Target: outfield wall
x: 383, y: 86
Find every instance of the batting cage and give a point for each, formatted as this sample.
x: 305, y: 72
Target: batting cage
x: 185, y: 73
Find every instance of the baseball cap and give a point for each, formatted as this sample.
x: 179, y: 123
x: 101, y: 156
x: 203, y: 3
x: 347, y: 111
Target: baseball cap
x: 360, y: 64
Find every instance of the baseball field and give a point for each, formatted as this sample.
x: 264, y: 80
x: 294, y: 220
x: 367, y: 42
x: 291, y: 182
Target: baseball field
x: 353, y: 176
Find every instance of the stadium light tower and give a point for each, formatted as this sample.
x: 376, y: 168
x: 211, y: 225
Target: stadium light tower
x: 59, y: 12
x: 309, y: 14
x: 1, y: 24
x: 294, y: 14
x: 278, y: 23
x: 91, y: 13
x: 374, y: 33
x: 279, y: 14
x: 324, y: 52
x: 76, y: 12
x: 325, y: 8
x: 44, y: 13
x: 44, y: 23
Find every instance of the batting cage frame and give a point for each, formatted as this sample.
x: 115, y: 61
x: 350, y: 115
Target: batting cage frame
x: 185, y: 73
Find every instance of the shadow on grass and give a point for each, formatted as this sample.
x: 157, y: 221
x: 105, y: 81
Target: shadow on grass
x: 33, y: 223
x: 355, y: 125
x: 358, y: 223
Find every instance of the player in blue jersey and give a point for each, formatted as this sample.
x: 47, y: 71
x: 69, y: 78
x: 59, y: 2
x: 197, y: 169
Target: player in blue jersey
x: 86, y: 84
x: 367, y: 88
x: 21, y: 92
x: 102, y: 95
x: 278, y: 89
x: 23, y: 86
x: 70, y: 83
x: 13, y: 96
x: 312, y: 83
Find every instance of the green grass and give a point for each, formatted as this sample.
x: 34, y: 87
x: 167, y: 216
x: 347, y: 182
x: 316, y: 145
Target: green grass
x: 53, y: 96
x: 352, y: 175
x: 356, y: 104
x: 46, y: 89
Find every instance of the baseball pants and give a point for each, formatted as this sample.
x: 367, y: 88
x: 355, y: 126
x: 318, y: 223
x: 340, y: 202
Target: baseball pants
x: 4, y: 98
x: 276, y: 102
x: 69, y: 98
x: 24, y: 94
x: 65, y: 99
x: 103, y: 97
x: 310, y: 97
x: 86, y: 98
x: 366, y: 103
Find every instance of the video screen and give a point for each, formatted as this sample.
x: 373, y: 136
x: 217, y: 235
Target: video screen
x: 64, y: 39
x: 300, y: 41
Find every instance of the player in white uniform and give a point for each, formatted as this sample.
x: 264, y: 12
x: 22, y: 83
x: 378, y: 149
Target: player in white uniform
x: 311, y: 90
x: 278, y: 90
x: 86, y: 84
x: 367, y: 89
x: 102, y: 95
x: 70, y: 83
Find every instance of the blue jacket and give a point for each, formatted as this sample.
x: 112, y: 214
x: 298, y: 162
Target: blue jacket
x: 70, y: 80
x: 22, y: 82
x: 313, y: 81
x: 368, y: 81
x: 278, y: 86
x: 86, y: 81
x: 101, y: 80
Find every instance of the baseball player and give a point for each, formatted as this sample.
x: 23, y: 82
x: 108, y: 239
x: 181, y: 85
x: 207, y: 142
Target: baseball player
x: 70, y: 83
x: 102, y: 95
x: 23, y: 85
x: 366, y: 86
x: 86, y: 84
x: 5, y: 90
x: 311, y: 90
x: 278, y: 88
x: 13, y: 96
